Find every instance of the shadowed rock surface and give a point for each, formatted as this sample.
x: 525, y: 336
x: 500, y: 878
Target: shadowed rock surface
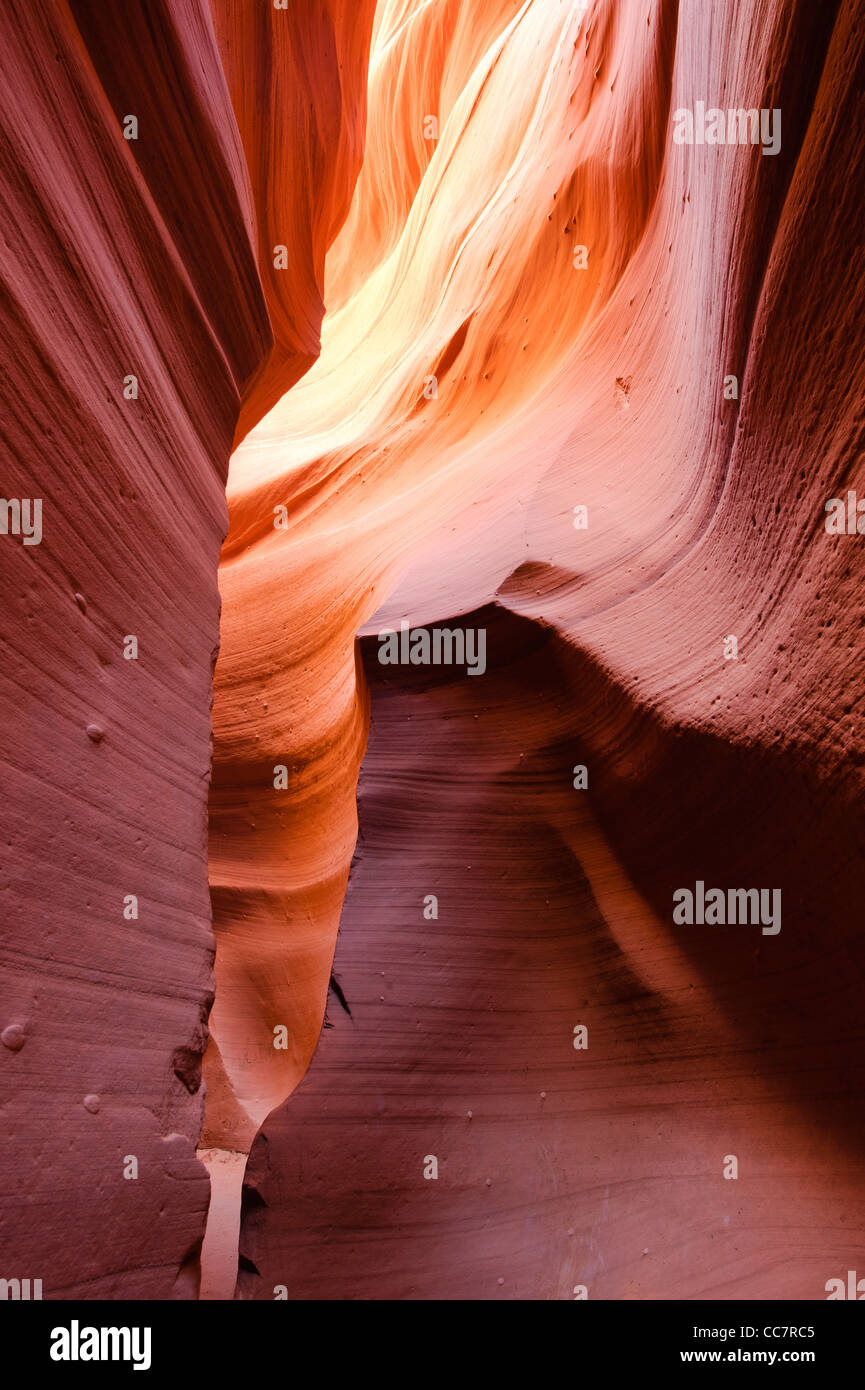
x: 123, y: 258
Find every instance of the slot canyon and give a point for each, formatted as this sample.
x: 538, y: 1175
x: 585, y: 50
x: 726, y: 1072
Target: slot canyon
x: 327, y: 976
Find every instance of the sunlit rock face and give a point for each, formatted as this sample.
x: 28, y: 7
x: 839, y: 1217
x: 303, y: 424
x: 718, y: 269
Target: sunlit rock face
x: 588, y: 389
x: 297, y: 77
x: 279, y: 862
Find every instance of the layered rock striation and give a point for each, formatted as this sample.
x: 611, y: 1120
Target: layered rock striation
x: 506, y: 349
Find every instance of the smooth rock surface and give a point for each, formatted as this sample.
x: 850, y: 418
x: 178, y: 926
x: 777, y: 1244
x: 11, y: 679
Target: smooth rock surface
x: 558, y: 388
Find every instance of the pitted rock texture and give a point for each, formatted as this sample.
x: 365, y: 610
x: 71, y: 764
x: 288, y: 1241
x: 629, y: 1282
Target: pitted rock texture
x: 134, y: 321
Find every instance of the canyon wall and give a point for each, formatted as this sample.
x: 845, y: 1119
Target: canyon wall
x: 496, y: 354
x: 136, y: 321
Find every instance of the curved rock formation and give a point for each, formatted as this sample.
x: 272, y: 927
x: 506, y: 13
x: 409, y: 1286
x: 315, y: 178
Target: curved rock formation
x: 584, y: 385
x: 646, y: 379
x: 297, y: 81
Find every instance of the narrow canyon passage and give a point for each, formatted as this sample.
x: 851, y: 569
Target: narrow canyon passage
x: 330, y: 328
